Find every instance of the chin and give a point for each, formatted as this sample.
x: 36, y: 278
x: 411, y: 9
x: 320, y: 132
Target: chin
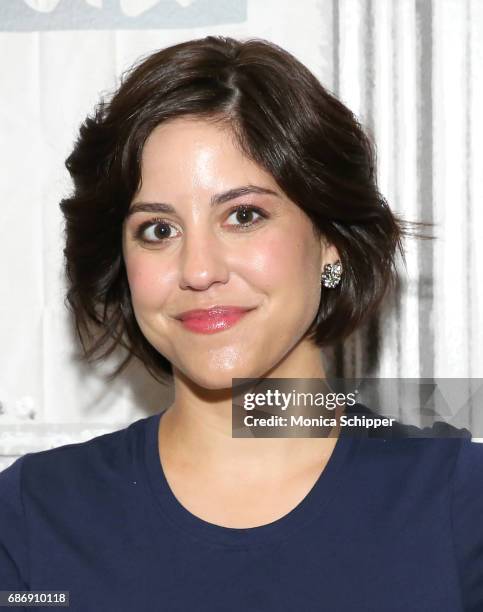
x: 216, y: 379
x: 214, y: 384
x: 216, y: 376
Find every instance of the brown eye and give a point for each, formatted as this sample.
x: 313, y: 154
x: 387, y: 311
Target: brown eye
x: 244, y: 216
x: 161, y: 230
x: 155, y: 231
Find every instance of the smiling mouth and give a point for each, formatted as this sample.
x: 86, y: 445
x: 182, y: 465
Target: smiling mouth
x: 213, y: 321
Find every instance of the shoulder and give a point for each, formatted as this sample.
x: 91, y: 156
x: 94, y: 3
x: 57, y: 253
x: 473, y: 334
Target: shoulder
x: 440, y: 468
x: 467, y: 485
x: 468, y: 472
x: 48, y: 489
x: 44, y: 470
x: 13, y: 540
x: 467, y: 521
x: 422, y: 458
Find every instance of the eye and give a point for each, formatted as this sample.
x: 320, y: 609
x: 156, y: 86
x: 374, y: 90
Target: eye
x: 244, y: 215
x: 154, y: 231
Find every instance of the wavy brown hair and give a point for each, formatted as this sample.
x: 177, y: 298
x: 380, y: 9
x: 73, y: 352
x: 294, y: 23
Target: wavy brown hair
x: 285, y: 121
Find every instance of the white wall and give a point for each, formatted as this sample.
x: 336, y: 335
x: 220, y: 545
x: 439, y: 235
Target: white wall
x: 410, y: 69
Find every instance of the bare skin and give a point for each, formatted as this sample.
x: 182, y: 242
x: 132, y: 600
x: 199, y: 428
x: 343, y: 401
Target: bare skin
x: 227, y: 482
x: 273, y: 265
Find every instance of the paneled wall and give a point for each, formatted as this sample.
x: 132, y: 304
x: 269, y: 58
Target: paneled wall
x: 410, y: 69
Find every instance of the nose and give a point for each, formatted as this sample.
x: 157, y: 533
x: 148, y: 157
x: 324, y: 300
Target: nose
x: 203, y: 260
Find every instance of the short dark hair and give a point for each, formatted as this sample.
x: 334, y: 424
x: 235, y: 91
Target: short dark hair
x: 285, y: 121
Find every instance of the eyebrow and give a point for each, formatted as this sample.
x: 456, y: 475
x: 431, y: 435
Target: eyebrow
x: 219, y: 198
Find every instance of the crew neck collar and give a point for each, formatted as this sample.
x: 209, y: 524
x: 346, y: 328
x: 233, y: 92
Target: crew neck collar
x: 312, y: 506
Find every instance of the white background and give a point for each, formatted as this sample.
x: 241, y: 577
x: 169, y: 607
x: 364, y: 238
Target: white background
x: 410, y: 69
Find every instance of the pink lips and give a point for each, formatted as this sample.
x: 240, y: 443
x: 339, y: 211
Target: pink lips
x: 212, y: 320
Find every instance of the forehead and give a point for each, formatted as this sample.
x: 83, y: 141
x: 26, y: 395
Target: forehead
x: 199, y: 153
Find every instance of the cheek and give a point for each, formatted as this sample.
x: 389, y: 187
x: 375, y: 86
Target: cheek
x: 286, y: 261
x: 148, y: 279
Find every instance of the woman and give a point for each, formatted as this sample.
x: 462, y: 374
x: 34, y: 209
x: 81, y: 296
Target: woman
x: 226, y: 224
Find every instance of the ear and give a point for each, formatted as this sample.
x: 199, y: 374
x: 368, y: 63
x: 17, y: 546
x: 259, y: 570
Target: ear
x: 328, y: 253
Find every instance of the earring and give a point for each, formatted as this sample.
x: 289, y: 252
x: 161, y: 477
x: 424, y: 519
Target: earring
x: 331, y: 275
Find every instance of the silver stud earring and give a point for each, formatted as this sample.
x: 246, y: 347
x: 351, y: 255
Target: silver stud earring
x: 332, y: 274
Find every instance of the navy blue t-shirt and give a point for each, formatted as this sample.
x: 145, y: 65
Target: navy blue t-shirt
x: 391, y: 525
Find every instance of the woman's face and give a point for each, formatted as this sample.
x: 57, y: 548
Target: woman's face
x: 204, y: 253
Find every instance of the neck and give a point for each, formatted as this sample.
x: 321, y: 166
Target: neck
x: 197, y: 428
